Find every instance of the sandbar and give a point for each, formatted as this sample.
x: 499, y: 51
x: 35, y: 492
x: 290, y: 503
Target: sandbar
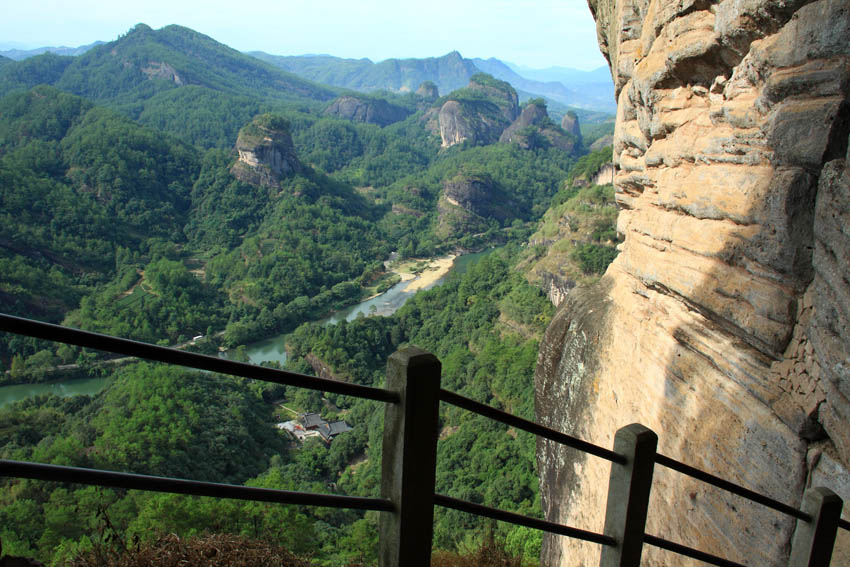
x: 436, y: 269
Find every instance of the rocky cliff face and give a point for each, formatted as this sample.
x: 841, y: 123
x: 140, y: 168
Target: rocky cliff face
x: 569, y: 123
x: 362, y: 109
x: 266, y: 152
x: 161, y: 70
x: 724, y: 323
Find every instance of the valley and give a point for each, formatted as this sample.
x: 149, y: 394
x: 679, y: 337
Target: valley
x: 167, y: 188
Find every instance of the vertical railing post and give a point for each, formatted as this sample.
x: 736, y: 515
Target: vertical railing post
x: 409, y: 459
x: 813, y: 541
x: 628, y: 495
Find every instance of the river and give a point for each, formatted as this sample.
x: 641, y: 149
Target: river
x: 65, y: 389
x: 270, y: 349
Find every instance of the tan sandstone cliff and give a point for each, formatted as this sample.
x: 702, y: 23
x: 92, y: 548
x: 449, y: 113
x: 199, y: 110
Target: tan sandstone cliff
x: 724, y: 324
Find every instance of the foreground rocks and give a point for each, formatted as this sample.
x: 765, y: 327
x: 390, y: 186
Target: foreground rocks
x: 724, y: 324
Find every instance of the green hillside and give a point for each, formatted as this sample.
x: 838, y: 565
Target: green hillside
x: 174, y: 79
x: 44, y: 69
x: 81, y: 186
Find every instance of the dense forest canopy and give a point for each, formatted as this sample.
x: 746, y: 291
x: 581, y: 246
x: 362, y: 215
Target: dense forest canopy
x: 122, y: 212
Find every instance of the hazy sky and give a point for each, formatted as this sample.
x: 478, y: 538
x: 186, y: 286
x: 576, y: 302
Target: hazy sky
x: 536, y: 33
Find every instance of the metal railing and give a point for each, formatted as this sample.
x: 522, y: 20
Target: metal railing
x: 412, y: 398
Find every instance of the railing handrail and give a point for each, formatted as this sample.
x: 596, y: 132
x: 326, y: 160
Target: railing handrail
x: 520, y: 520
x: 89, y: 339
x: 530, y: 426
x: 149, y: 483
x: 169, y: 355
x: 729, y: 486
x: 689, y: 551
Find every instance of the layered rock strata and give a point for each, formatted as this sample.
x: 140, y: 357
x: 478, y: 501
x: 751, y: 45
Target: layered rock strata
x: 724, y: 323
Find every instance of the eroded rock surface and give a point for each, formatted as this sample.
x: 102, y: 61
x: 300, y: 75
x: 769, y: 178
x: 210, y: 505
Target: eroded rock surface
x: 724, y: 324
x: 428, y: 90
x: 570, y: 124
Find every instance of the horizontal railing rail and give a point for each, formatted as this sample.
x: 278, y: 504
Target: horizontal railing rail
x: 529, y: 426
x: 689, y: 552
x: 127, y: 347
x: 131, y: 481
x: 411, y: 387
x: 731, y: 487
x: 520, y: 520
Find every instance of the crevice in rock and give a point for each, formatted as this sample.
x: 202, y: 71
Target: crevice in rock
x: 839, y: 135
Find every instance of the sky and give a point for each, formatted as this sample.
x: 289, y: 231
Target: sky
x: 534, y: 33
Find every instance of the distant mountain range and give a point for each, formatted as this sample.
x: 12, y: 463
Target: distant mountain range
x: 21, y: 54
x: 591, y: 90
x: 449, y: 72
x: 174, y: 79
x: 564, y: 75
x: 581, y: 89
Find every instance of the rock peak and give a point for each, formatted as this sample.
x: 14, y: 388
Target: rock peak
x: 266, y: 152
x: 478, y: 113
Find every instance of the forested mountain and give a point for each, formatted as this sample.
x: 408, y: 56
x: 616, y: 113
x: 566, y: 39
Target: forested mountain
x: 43, y: 69
x: 160, y: 188
x: 174, y: 79
x: 146, y: 61
x: 81, y: 187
